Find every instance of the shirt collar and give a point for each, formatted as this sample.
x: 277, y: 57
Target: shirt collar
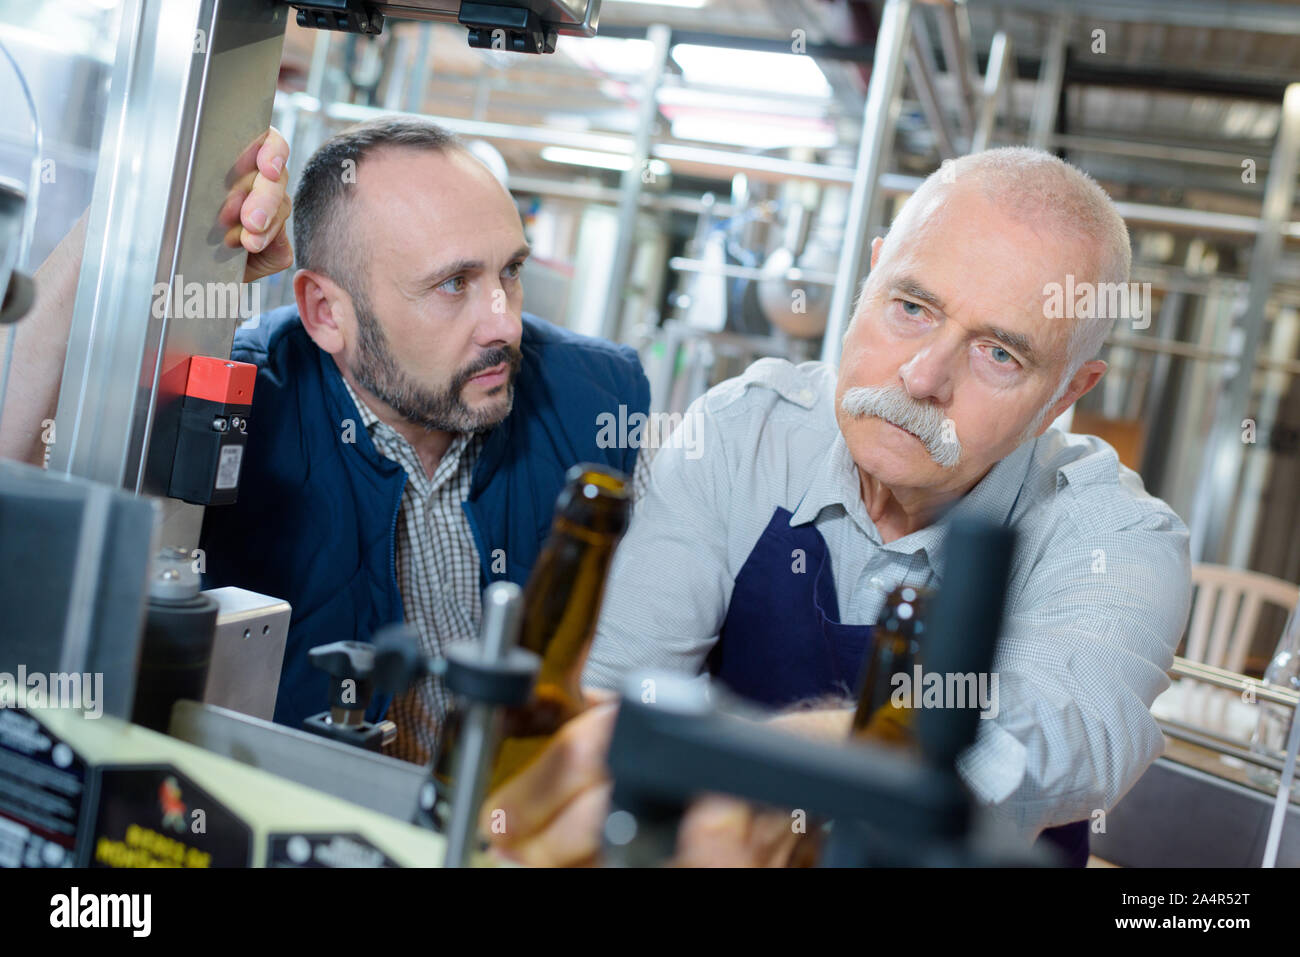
x: 383, y: 433
x: 835, y: 482
x: 368, y: 417
x: 992, y: 498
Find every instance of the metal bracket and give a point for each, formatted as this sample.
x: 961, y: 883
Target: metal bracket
x: 347, y: 16
x: 517, y: 29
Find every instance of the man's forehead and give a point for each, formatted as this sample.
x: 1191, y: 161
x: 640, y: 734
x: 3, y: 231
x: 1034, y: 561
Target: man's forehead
x: 406, y: 184
x: 452, y: 195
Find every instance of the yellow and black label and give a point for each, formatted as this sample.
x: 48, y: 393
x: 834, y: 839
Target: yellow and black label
x: 155, y: 816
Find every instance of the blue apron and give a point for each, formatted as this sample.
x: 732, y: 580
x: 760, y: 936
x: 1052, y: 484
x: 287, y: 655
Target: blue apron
x: 782, y: 641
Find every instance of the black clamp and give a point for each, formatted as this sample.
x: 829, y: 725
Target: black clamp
x: 398, y: 663
x: 517, y: 29
x: 507, y: 680
x: 351, y: 667
x: 346, y: 16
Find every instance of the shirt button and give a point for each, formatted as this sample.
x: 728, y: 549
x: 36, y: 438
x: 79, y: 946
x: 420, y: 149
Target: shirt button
x: 806, y: 395
x: 878, y: 582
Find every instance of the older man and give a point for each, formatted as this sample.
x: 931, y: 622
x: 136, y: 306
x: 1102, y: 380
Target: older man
x: 765, y: 559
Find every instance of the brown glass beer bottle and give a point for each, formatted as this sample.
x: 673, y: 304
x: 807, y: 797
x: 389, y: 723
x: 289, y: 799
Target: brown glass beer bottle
x: 561, y: 607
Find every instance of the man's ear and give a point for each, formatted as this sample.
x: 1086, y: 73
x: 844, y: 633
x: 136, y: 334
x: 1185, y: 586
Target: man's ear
x: 1081, y: 384
x: 875, y: 250
x: 322, y: 306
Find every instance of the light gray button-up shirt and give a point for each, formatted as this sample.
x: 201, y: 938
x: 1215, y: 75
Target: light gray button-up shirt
x: 1097, y: 601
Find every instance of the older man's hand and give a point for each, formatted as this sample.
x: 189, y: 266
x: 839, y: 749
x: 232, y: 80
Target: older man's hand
x: 552, y: 812
x: 723, y: 831
x: 258, y: 205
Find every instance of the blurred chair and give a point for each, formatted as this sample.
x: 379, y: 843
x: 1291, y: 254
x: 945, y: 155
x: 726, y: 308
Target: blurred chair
x: 1126, y: 436
x: 1226, y: 605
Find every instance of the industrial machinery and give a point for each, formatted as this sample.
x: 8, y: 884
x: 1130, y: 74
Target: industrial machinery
x: 99, y: 557
x: 153, y: 415
x: 521, y: 27
x: 16, y: 289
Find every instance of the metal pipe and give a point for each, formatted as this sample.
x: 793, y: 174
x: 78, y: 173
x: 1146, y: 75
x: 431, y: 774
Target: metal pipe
x: 358, y: 113
x: 878, y: 117
x: 1171, y: 347
x: 421, y: 69
x: 759, y: 167
x: 1283, y: 796
x: 1222, y: 678
x: 1198, y: 219
x: 595, y: 193
x: 683, y: 264
x: 633, y: 178
x: 1213, y: 742
x: 1278, y: 18
x: 499, y: 633
x: 995, y: 77
x: 1165, y: 153
x: 954, y: 34
x: 1213, y: 501
x: 1047, y: 95
x: 857, y: 53
x: 920, y: 67
x: 769, y: 167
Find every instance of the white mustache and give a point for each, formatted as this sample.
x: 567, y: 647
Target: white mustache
x: 895, y: 406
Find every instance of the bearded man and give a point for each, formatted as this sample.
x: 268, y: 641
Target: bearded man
x: 413, y: 424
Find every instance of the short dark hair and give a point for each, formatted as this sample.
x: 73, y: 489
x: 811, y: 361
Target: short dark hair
x: 323, y: 192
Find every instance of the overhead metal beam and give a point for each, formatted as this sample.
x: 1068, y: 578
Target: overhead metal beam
x: 1026, y: 67
x: 773, y: 168
x: 1176, y: 152
x: 1278, y: 18
x: 850, y: 53
x: 1081, y: 72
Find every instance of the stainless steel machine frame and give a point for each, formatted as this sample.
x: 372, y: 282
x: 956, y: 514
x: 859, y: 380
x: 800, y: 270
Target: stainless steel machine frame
x: 192, y: 89
x: 572, y: 17
x: 247, y: 651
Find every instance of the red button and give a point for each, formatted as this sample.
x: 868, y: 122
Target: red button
x: 221, y: 380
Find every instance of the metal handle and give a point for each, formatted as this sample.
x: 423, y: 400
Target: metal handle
x: 502, y: 606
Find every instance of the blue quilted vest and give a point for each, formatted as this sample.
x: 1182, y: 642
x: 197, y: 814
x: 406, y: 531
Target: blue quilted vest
x: 316, y: 518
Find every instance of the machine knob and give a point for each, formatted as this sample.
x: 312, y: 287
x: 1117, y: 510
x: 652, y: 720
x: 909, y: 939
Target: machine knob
x: 345, y: 659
